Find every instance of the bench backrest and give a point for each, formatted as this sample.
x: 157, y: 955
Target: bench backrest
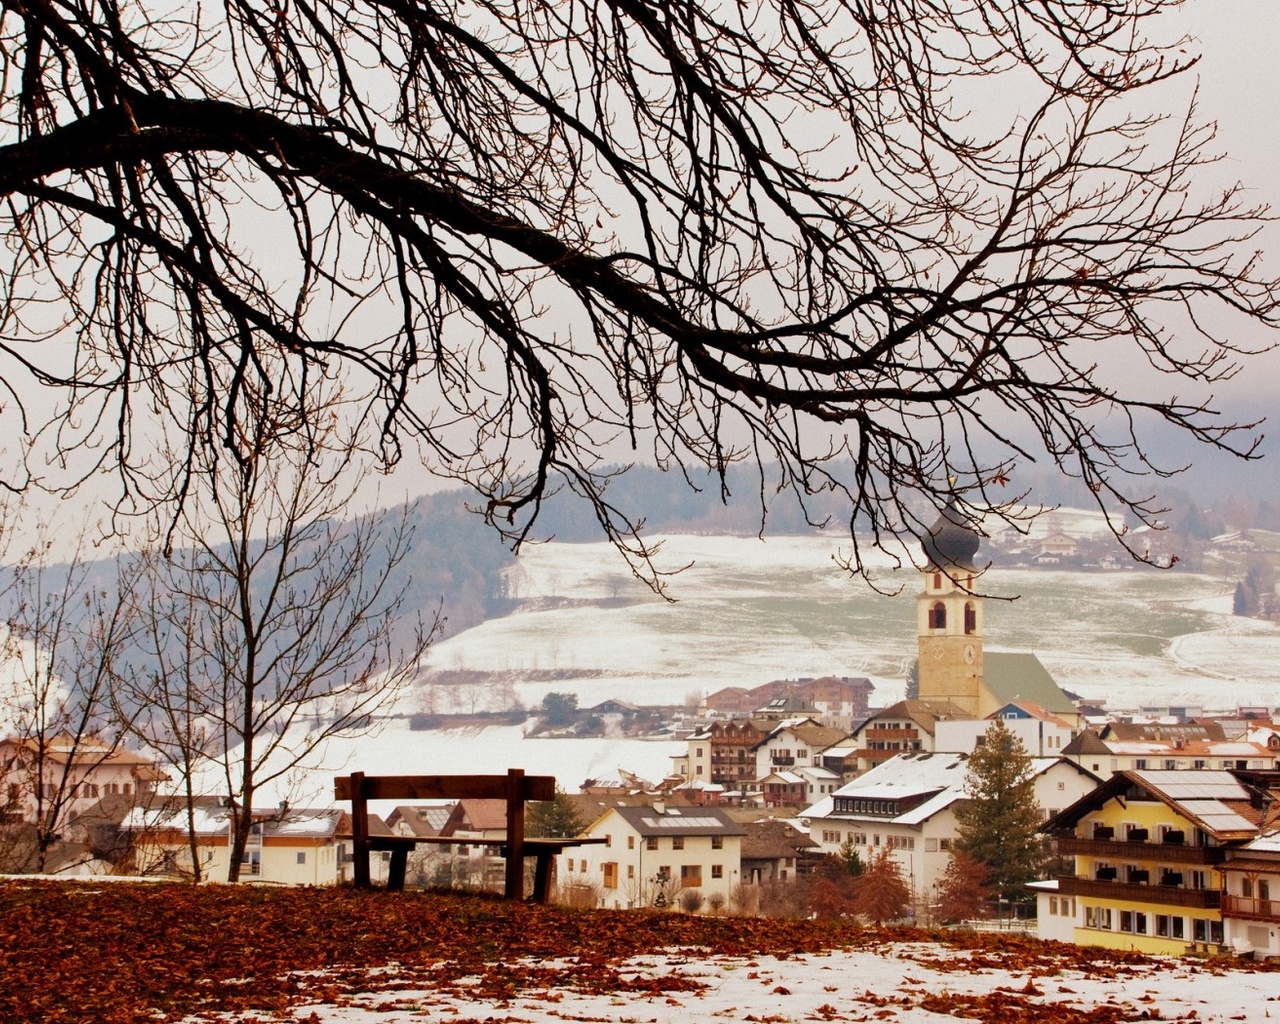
x: 515, y: 788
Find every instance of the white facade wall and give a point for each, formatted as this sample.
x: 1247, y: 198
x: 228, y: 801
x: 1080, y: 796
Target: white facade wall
x: 1041, y: 738
x: 634, y: 865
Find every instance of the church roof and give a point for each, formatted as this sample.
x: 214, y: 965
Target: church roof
x: 1017, y: 676
x: 951, y: 540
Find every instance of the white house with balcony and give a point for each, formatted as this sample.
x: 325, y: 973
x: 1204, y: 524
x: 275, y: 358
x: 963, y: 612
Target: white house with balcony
x: 793, y: 745
x: 906, y: 805
x: 651, y: 856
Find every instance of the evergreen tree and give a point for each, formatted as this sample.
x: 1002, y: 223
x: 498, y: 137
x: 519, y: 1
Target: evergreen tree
x: 999, y: 821
x: 557, y: 818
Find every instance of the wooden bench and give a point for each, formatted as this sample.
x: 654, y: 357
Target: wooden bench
x: 515, y: 788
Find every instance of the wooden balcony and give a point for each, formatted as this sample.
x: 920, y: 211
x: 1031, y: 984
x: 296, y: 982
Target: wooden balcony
x: 1251, y: 908
x: 1118, y: 849
x: 890, y: 734
x: 1166, y: 895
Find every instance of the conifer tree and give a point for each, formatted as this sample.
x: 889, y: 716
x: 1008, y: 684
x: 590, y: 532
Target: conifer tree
x: 557, y: 818
x: 999, y: 820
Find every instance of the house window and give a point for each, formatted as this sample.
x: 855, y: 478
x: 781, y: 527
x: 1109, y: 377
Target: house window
x: 631, y: 842
x: 582, y: 864
x: 610, y: 874
x: 717, y: 842
x: 1140, y: 763
x: 717, y: 871
x: 690, y: 875
x: 938, y: 616
x: 944, y: 844
x: 931, y: 846
x: 1246, y: 887
x: 302, y: 856
x: 651, y: 843
x: 631, y: 871
x: 677, y: 842
x: 1098, y: 917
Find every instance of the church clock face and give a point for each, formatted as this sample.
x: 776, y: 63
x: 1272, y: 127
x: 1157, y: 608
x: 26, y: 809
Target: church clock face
x: 969, y: 653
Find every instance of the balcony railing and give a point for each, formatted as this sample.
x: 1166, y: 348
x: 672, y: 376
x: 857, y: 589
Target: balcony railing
x: 1118, y: 849
x: 782, y: 759
x: 1167, y: 895
x: 891, y: 734
x: 1251, y: 907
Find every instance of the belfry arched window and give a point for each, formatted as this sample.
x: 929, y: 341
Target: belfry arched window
x: 970, y: 618
x: 938, y: 616
x: 937, y: 581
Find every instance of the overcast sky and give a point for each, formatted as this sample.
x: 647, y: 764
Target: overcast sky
x: 1239, y: 81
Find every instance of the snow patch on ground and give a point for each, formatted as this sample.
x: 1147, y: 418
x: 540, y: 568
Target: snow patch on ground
x: 908, y: 983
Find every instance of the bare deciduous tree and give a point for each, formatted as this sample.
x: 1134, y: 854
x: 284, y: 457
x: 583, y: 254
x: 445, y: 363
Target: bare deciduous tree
x: 272, y: 628
x: 63, y: 634
x: 882, y: 246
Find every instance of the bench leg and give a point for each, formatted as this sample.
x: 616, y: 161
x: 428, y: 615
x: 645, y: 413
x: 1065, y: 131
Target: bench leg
x: 396, y: 872
x: 542, y: 876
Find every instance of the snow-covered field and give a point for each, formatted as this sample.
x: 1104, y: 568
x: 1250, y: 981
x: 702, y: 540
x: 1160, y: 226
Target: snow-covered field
x: 905, y: 983
x: 748, y: 611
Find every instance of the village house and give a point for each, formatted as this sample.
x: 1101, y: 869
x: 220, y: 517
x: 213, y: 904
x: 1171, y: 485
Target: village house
x: 795, y: 787
x: 287, y: 845
x: 655, y: 856
x: 1251, y: 896
x: 83, y: 769
x: 837, y: 701
x: 1149, y: 848
x: 1141, y: 746
x: 909, y: 726
x: 1042, y: 734
x: 776, y: 850
x: 722, y: 753
x: 794, y: 744
x: 906, y: 806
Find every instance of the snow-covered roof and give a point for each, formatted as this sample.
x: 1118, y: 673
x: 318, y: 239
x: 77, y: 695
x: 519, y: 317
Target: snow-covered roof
x: 938, y: 778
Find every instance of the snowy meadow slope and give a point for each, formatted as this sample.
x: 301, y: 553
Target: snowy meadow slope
x: 747, y: 611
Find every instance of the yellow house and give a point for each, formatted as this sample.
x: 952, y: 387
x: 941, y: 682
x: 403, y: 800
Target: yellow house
x: 1149, y: 849
x: 288, y: 846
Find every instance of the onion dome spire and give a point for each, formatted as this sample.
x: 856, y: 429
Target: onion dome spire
x: 951, y: 540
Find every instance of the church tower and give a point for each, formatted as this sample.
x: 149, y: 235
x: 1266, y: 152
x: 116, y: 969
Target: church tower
x: 949, y: 615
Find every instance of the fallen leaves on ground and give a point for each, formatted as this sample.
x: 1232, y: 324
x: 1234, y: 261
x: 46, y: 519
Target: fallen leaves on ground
x: 116, y: 952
